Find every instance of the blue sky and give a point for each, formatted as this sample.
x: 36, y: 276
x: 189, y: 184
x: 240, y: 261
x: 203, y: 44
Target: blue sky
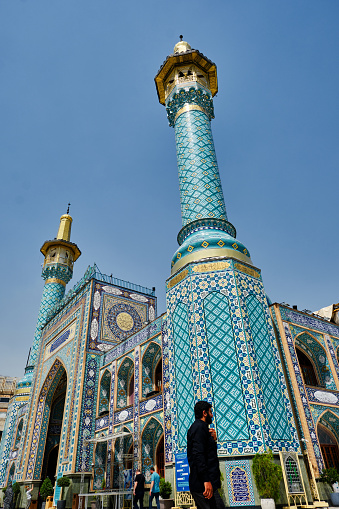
x: 80, y: 122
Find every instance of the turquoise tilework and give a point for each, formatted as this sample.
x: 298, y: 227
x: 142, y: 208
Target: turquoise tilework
x: 183, y: 372
x: 273, y: 398
x: 230, y: 413
x: 200, y: 186
x: 51, y: 295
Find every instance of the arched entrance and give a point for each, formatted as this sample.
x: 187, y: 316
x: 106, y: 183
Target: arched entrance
x: 160, y: 457
x: 50, y: 460
x: 329, y: 447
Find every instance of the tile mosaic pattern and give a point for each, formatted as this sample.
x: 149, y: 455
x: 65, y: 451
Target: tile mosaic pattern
x: 236, y: 285
x: 318, y: 354
x: 150, y: 437
x: 319, y: 396
x: 200, y: 186
x: 51, y: 295
x: 136, y: 428
x: 6, y: 439
x: 335, y: 358
x: 309, y: 322
x: 87, y: 421
x: 145, y: 334
x: 183, y: 372
x: 151, y: 405
x: 329, y: 419
x: 273, y: 397
x: 101, y: 422
x: 41, y: 420
x: 166, y: 392
x: 229, y: 405
x: 303, y: 394
x: 197, y: 96
x: 239, y: 483
x: 123, y: 415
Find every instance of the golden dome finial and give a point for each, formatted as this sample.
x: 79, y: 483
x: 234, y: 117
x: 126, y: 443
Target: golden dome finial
x: 64, y: 232
x: 181, y: 46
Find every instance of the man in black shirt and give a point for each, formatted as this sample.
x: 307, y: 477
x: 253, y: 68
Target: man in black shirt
x: 138, y: 490
x: 204, y: 479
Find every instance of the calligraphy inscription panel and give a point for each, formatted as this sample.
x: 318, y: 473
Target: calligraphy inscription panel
x: 239, y: 483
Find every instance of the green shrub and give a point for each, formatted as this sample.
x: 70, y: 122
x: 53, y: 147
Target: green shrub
x: 62, y: 482
x: 267, y: 475
x: 46, y: 489
x: 165, y: 488
x: 329, y: 476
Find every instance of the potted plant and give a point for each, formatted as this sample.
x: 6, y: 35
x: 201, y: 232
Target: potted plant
x: 62, y: 482
x: 330, y: 476
x: 165, y: 493
x: 267, y: 476
x: 46, y: 490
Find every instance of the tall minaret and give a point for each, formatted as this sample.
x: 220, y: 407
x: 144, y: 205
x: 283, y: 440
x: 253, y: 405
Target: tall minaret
x: 60, y: 255
x: 186, y: 83
x: 220, y: 344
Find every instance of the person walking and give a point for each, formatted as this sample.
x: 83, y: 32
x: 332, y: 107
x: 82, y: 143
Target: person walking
x: 138, y: 490
x: 155, y: 488
x: 204, y: 477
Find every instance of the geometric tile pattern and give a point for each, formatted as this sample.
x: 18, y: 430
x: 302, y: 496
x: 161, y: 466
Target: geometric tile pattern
x: 200, y: 186
x: 191, y: 291
x: 230, y: 413
x: 51, y: 295
x: 275, y: 408
x: 125, y: 374
x: 239, y: 483
x: 183, y: 372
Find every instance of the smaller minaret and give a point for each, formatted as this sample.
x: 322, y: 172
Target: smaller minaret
x: 60, y: 255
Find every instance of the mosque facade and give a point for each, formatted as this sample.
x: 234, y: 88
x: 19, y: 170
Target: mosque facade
x: 110, y: 386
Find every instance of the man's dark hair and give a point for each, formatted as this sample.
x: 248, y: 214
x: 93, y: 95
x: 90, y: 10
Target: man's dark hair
x: 199, y: 407
x: 152, y: 468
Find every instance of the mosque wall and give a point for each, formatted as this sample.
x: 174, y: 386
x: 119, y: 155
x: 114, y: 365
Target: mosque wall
x: 309, y: 348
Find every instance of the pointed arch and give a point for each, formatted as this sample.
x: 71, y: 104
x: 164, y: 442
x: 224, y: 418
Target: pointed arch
x: 150, y: 437
x: 150, y: 361
x: 124, y: 378
x: 328, y: 438
x: 307, y: 368
x: 104, y: 393
x: 39, y: 433
x: 122, y: 446
x: 316, y: 352
x: 18, y: 433
x: 100, y: 461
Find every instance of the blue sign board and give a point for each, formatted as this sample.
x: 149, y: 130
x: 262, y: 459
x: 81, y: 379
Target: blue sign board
x: 182, y: 472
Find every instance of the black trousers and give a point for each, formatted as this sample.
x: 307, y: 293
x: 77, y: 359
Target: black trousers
x: 139, y: 496
x: 216, y: 502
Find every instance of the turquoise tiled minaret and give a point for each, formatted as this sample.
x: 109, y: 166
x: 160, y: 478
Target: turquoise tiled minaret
x: 186, y: 83
x: 60, y: 255
x: 220, y: 344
